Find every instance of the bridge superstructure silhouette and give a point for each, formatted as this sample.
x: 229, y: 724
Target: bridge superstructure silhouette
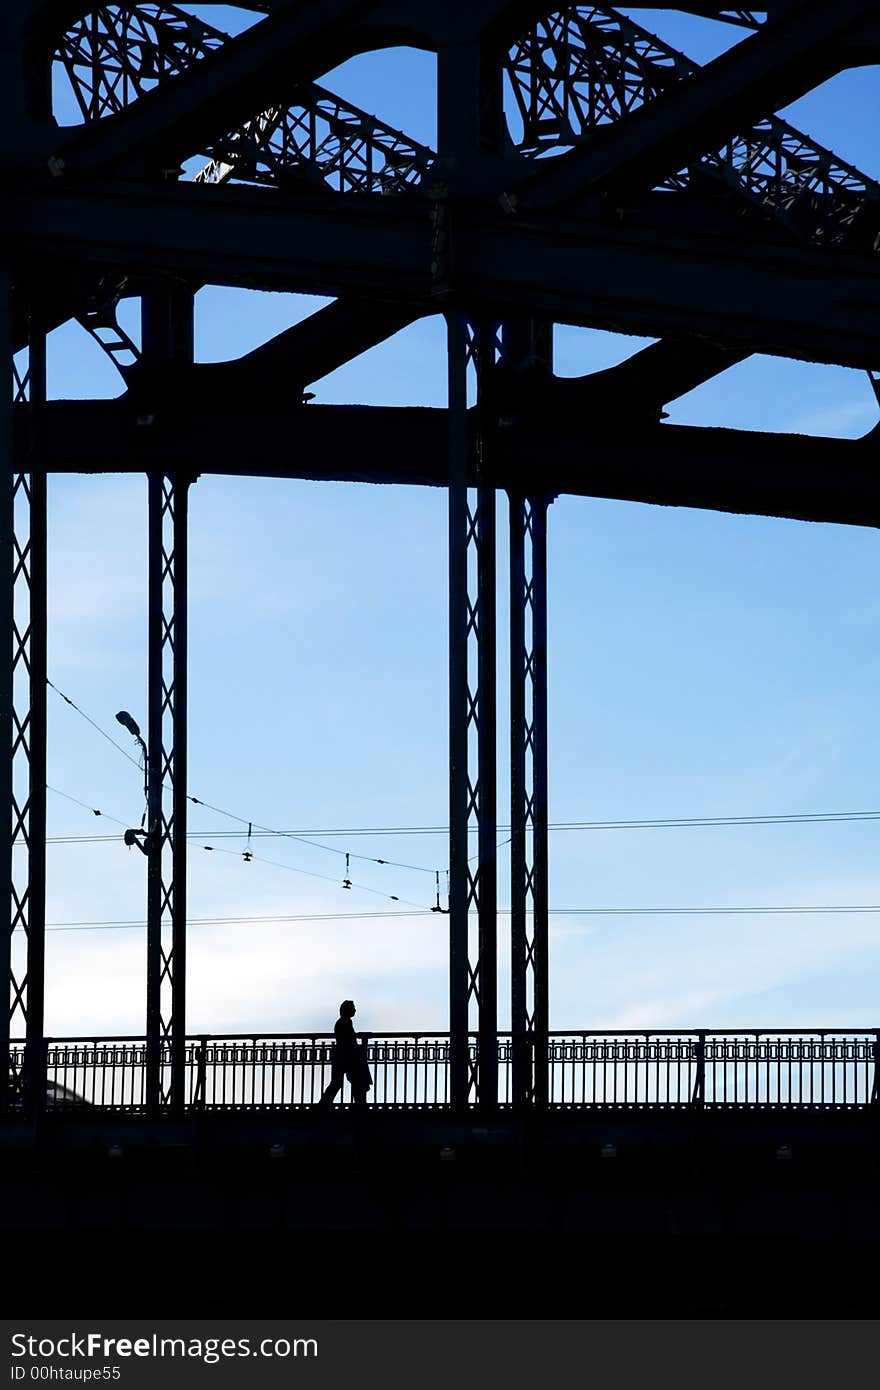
x: 615, y: 185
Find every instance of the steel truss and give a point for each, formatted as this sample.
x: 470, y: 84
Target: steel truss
x: 588, y: 67
x: 570, y: 74
x: 118, y: 53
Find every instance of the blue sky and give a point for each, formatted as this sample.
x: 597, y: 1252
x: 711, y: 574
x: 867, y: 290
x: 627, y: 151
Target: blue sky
x: 700, y: 665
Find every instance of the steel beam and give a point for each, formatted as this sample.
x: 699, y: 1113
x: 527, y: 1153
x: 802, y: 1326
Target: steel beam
x: 334, y: 335
x: 292, y: 360
x: 645, y: 382
x: 660, y: 273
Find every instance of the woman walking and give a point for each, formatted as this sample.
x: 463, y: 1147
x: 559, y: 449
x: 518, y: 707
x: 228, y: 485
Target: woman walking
x: 349, y: 1059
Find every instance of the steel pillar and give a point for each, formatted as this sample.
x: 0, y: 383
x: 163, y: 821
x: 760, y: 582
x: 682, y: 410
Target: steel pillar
x: 528, y: 797
x: 472, y: 743
x: 482, y: 710
x: 527, y: 351
x: 166, y: 792
x: 167, y: 337
x: 7, y: 710
x: 470, y: 118
x: 23, y: 710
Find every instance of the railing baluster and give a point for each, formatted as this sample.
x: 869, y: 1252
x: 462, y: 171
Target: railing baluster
x: 584, y: 1070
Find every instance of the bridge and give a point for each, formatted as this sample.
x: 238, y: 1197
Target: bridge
x: 585, y: 173
x: 687, y: 1173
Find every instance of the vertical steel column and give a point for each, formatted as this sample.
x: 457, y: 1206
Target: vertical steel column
x: 158, y: 963
x: 540, y: 857
x: 472, y: 741
x: 527, y: 356
x: 29, y: 631
x: 7, y: 711
x: 34, y: 1066
x: 166, y: 791
x: 470, y: 120
x: 167, y: 336
x: 459, y: 878
x: 528, y: 797
x: 23, y: 786
x: 484, y: 716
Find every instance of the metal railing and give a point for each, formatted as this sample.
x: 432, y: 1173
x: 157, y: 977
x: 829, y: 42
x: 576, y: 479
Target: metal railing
x: 726, y: 1069
x: 663, y: 1069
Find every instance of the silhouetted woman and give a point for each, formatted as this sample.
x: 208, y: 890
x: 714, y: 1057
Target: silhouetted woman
x: 349, y: 1059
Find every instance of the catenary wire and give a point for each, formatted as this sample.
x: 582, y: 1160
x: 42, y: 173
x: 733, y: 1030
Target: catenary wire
x: 245, y: 820
x: 815, y: 818
x: 103, y: 732
x: 105, y: 815
x: 267, y: 831
x: 310, y: 873
x: 809, y: 910
x: 643, y: 823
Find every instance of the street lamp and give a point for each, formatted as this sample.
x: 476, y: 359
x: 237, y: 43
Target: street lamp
x: 137, y: 837
x: 127, y: 722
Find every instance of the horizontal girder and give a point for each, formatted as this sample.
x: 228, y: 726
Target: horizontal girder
x: 724, y: 470
x: 666, y: 275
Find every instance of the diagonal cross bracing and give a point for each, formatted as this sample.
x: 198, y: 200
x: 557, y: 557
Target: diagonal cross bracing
x: 586, y: 68
x: 769, y: 69
x: 117, y: 54
x: 571, y: 75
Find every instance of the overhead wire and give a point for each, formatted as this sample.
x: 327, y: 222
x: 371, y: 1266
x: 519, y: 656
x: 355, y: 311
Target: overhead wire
x: 238, y: 921
x: 839, y: 909
x: 251, y: 824
x: 248, y: 855
x: 256, y: 829
x: 86, y: 807
x: 310, y: 873
x: 696, y: 822
x: 87, y: 717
